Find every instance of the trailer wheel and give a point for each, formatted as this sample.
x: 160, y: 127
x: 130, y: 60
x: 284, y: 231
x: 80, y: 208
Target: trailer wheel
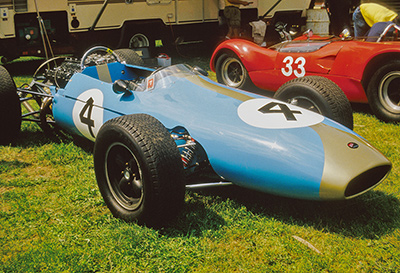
x: 320, y: 95
x: 129, y: 56
x: 139, y: 169
x: 10, y: 108
x: 139, y: 40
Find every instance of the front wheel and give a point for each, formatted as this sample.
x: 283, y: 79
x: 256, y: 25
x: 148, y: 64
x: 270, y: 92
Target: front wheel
x: 383, y: 92
x: 231, y: 72
x: 10, y: 108
x: 139, y: 170
x: 320, y: 95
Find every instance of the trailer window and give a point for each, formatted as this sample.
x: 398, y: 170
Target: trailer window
x: 20, y: 5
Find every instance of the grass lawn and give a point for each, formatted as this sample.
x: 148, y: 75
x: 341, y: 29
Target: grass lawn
x: 53, y: 219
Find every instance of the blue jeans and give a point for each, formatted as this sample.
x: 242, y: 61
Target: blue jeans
x: 360, y: 26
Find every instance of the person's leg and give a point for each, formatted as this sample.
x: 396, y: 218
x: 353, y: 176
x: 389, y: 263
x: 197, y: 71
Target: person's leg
x: 236, y: 22
x: 360, y: 26
x: 230, y: 32
x: 340, y: 17
x: 236, y: 32
x: 228, y: 15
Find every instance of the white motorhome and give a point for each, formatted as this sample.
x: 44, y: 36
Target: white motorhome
x: 74, y: 25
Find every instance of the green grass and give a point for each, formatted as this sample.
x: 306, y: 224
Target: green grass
x: 53, y: 219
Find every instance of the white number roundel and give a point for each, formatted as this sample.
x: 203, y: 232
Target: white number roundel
x: 88, y: 113
x: 274, y: 114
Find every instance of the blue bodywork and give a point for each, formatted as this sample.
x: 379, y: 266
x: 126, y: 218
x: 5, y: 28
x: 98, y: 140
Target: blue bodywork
x: 250, y: 140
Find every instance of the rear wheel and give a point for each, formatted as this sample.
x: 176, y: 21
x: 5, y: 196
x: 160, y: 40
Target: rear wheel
x: 129, y: 56
x: 320, y: 95
x: 383, y: 92
x: 10, y: 108
x: 139, y: 169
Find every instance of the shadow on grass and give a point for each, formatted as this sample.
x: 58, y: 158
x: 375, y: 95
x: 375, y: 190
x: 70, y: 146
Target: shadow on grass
x: 195, y: 220
x: 23, y: 68
x: 371, y: 215
x: 39, y: 138
x: 362, y: 108
x: 36, y: 138
x: 12, y: 165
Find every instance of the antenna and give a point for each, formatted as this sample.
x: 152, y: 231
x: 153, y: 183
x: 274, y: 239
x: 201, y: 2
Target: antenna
x: 43, y: 33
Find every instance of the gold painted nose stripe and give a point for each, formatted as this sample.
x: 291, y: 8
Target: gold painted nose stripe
x: 342, y: 164
x: 104, y: 73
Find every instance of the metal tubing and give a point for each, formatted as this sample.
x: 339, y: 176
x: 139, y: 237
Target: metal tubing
x: 208, y: 185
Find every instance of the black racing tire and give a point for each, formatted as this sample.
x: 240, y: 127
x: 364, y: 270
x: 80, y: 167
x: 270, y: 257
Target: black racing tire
x: 10, y: 108
x: 129, y: 56
x: 139, y: 170
x: 231, y: 72
x: 383, y: 92
x: 320, y: 95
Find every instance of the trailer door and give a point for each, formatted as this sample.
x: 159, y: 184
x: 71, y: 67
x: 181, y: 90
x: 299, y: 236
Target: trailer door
x: 189, y: 11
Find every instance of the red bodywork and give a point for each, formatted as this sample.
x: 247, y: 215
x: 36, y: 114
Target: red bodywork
x: 348, y: 63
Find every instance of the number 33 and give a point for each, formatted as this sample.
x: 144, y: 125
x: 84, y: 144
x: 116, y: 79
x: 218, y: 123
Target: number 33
x: 288, y: 70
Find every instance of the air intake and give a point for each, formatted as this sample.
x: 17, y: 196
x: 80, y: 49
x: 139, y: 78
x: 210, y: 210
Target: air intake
x: 366, y: 181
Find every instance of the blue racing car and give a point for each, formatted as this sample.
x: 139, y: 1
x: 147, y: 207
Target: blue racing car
x: 155, y: 131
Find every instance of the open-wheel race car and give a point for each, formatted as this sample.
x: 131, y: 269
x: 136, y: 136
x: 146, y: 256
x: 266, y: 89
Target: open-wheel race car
x: 367, y: 72
x: 157, y: 131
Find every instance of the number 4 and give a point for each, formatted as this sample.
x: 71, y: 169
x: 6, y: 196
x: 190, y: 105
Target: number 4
x: 284, y: 109
x: 87, y: 120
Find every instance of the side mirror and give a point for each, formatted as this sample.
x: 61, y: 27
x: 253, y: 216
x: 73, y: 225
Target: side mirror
x: 308, y: 33
x: 120, y: 87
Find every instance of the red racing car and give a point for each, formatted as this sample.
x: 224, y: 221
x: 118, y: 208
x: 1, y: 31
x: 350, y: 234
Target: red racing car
x: 367, y: 72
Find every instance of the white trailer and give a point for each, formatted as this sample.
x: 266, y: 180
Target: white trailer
x: 74, y: 25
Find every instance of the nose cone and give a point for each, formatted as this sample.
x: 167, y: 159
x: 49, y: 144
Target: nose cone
x: 352, y: 165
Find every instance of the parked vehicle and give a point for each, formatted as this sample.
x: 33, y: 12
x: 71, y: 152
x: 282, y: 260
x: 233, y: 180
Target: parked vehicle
x: 157, y: 131
x: 367, y: 72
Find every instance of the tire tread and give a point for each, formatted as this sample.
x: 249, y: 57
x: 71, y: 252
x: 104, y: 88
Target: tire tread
x: 165, y: 167
x: 340, y: 107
